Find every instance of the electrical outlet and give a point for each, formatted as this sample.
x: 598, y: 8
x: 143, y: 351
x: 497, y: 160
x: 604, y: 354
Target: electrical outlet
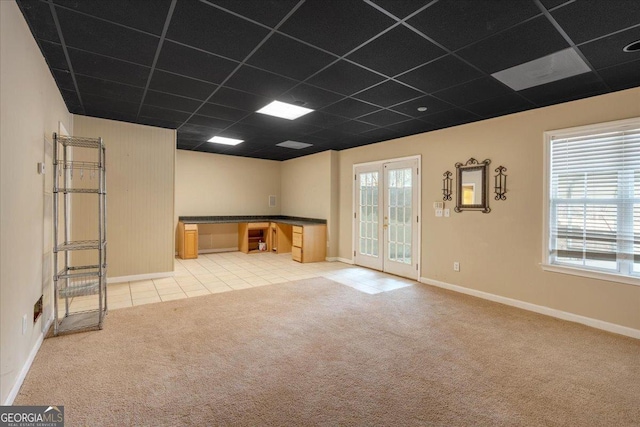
x: 24, y: 324
x: 438, y: 212
x: 456, y: 266
x: 447, y: 212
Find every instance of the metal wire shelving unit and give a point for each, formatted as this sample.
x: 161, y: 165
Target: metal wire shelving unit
x: 70, y: 280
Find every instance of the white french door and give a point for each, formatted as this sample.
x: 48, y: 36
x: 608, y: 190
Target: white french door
x: 386, y: 216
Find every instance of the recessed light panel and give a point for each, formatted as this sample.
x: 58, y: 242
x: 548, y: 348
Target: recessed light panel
x: 225, y: 141
x: 557, y: 66
x: 284, y: 110
x: 294, y: 144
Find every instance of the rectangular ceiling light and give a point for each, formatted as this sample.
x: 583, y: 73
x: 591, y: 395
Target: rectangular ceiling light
x: 294, y: 144
x: 225, y: 141
x: 557, y: 66
x: 284, y: 110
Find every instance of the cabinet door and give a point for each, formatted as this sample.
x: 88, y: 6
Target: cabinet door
x: 297, y: 240
x: 296, y: 254
x: 190, y: 244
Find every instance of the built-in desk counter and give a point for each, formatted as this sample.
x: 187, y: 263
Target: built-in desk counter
x: 304, y: 238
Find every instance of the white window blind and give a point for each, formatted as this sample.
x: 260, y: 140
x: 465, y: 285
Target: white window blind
x: 594, y: 201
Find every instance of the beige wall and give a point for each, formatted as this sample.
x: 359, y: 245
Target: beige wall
x: 140, y: 196
x: 30, y: 109
x: 500, y: 252
x: 309, y: 187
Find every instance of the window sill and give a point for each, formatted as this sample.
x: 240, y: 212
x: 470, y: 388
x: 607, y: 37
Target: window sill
x: 600, y: 275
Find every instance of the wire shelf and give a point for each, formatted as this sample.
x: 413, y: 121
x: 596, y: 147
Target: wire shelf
x: 81, y: 320
x: 78, y: 190
x: 79, y: 245
x: 79, y: 141
x: 94, y: 272
x: 75, y: 164
x: 80, y: 288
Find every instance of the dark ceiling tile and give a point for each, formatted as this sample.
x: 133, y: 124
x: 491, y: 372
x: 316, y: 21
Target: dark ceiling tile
x: 239, y: 99
x: 186, y: 144
x: 607, y: 51
x: 622, y: 76
x: 143, y: 15
x: 377, y: 135
x: 432, y: 104
x: 346, y: 78
x: 221, y: 112
x: 71, y: 100
x: 586, y: 20
x: 64, y: 79
x: 336, y: 26
x: 54, y: 54
x: 456, y: 23
x: 171, y: 102
x: 320, y: 119
x: 268, y: 12
x: 411, y: 127
x: 201, y: 25
x: 101, y: 67
x: 209, y: 147
x: 353, y: 126
x: 94, y: 102
x: 451, y: 117
x: 197, y: 132
x: 440, y: 74
x: 259, y: 82
x: 550, y: 4
x: 290, y: 58
x: 309, y: 96
x: 38, y: 15
x: 163, y: 114
x: 210, y: 122
x: 401, y: 8
x: 178, y: 85
x: 246, y: 131
x: 506, y: 104
x: 569, y: 89
x: 107, y: 39
x: 110, y: 115
x: 151, y: 121
x: 350, y: 108
x: 383, y: 118
x: 388, y: 93
x: 281, y: 126
x: 109, y: 89
x: 330, y: 136
x: 402, y: 50
x: 474, y: 91
x: 531, y: 40
x: 194, y: 63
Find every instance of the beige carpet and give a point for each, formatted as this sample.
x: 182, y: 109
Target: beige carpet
x: 315, y: 352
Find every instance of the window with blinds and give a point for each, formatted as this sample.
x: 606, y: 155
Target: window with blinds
x: 594, y: 199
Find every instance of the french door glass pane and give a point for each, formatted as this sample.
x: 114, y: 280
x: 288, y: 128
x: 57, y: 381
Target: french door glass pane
x: 400, y: 182
x: 369, y: 213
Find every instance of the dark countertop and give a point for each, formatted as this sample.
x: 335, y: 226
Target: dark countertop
x: 226, y: 219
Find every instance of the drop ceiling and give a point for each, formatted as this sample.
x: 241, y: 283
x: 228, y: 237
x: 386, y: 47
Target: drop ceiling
x: 204, y: 67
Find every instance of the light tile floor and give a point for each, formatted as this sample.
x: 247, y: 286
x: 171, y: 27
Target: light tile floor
x: 228, y: 271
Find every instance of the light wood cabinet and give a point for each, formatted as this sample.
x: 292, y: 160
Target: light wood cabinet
x: 280, y: 238
x: 309, y: 243
x: 251, y: 234
x: 187, y: 240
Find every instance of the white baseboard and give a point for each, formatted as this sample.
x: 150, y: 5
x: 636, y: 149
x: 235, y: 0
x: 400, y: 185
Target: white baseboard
x: 213, y: 251
x: 27, y: 365
x: 136, y: 277
x: 559, y: 314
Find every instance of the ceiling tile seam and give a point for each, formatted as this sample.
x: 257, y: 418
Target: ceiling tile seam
x: 107, y: 56
x: 568, y: 39
x: 392, y: 16
x: 188, y: 46
x: 254, y: 50
x: 608, y: 35
x: 65, y: 51
x: 101, y: 19
x: 167, y: 21
x: 237, y: 15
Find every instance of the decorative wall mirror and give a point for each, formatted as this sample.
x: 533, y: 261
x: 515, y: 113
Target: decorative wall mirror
x: 472, y: 186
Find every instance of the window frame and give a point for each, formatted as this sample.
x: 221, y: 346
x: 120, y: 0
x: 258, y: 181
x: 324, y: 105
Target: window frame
x: 615, y: 126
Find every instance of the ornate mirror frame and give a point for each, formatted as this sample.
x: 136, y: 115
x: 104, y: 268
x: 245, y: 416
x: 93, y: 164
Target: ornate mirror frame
x: 476, y: 191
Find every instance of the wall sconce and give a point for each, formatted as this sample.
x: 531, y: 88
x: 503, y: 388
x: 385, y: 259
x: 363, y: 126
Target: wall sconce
x: 446, y: 186
x: 500, y: 183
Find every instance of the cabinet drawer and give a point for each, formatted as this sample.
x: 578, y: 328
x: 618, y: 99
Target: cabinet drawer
x: 296, y: 239
x: 191, y: 226
x: 296, y: 229
x: 254, y: 225
x: 296, y: 254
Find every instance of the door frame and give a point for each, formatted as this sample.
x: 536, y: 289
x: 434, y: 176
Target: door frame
x: 418, y: 207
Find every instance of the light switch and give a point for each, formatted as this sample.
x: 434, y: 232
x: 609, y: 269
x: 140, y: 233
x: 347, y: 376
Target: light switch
x: 447, y: 212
